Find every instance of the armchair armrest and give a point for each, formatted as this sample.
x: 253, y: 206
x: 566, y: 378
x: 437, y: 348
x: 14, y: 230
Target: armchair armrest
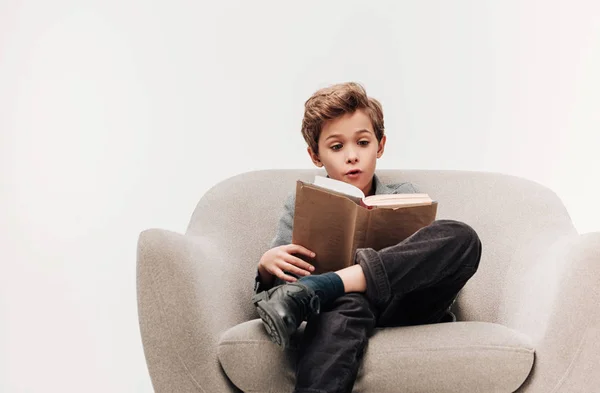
x: 557, y: 303
x: 184, y: 304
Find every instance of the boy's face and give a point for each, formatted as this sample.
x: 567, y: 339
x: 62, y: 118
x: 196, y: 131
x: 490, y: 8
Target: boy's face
x: 347, y: 144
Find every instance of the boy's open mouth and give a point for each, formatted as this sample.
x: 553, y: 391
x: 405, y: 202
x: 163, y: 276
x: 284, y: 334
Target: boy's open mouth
x: 353, y: 172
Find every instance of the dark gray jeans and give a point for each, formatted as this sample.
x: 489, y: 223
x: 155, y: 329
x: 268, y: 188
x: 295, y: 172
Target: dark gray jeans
x: 411, y: 283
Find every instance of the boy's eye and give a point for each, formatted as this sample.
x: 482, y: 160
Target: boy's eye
x: 338, y: 146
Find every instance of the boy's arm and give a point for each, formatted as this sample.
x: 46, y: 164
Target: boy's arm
x: 264, y: 280
x: 286, y: 222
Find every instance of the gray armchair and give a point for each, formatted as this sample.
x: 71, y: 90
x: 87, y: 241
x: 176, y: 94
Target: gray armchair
x: 528, y: 321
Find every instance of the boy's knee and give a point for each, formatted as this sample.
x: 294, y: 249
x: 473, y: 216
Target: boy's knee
x: 466, y: 240
x: 462, y: 232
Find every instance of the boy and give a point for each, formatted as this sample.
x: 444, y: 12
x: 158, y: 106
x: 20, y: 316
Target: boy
x: 412, y: 282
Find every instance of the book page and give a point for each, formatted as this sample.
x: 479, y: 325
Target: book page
x: 399, y: 204
x: 399, y: 200
x: 397, y: 197
x: 338, y: 186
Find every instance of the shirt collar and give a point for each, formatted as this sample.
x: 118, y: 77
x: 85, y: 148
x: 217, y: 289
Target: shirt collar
x: 380, y: 188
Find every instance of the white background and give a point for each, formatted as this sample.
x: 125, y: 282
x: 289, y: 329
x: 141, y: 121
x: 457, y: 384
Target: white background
x: 116, y: 116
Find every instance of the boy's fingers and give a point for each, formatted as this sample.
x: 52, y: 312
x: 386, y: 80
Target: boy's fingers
x: 279, y: 273
x: 301, y: 264
x: 293, y: 269
x: 302, y: 250
x: 287, y: 278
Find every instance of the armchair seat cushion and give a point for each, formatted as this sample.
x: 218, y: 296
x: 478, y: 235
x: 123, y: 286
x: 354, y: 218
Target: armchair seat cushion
x: 447, y: 357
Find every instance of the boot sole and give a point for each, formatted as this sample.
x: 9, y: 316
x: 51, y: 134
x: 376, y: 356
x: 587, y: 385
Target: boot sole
x: 273, y: 323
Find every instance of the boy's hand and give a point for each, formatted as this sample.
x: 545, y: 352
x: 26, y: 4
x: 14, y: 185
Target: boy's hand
x: 278, y: 259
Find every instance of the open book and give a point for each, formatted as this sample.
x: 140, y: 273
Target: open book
x: 372, y: 201
x: 334, y: 218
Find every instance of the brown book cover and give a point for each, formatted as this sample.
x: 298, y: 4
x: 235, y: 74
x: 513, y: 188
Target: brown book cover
x: 334, y: 225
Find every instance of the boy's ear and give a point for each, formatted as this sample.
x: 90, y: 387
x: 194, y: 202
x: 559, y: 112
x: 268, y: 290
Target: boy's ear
x: 314, y: 157
x: 381, y: 147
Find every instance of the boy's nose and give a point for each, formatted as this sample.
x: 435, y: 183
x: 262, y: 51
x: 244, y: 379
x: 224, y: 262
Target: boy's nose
x: 352, y: 157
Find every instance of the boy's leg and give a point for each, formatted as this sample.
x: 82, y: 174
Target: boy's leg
x: 416, y: 280
x: 423, y: 274
x: 333, y: 344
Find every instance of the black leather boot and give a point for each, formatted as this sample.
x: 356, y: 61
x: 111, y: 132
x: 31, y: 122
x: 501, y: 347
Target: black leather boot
x: 283, y: 308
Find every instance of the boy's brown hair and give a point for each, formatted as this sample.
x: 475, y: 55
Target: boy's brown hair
x: 334, y: 101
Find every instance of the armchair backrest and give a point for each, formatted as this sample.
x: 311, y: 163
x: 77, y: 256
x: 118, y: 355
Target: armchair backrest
x: 509, y: 213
